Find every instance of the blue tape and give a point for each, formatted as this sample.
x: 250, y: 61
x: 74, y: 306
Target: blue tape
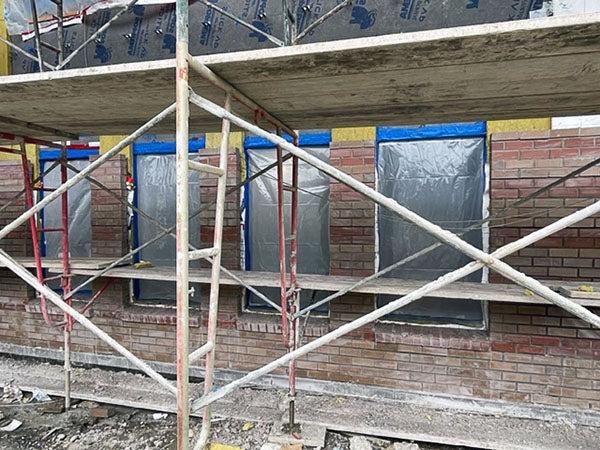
x: 306, y: 139
x: 450, y: 130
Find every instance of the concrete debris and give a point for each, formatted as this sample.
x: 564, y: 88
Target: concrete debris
x: 292, y: 447
x: 270, y: 446
x: 11, y: 393
x: 102, y: 412
x: 360, y: 443
x: 12, y: 425
x: 49, y: 433
x: 51, y: 407
x: 403, y: 446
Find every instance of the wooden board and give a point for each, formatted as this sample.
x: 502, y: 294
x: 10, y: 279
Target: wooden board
x: 392, y: 286
x: 57, y: 264
x: 575, y: 292
x: 521, y: 69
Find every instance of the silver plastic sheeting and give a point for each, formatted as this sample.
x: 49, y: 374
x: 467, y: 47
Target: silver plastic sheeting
x: 155, y: 180
x: 80, y: 222
x: 443, y: 181
x: 262, y: 236
x: 19, y: 17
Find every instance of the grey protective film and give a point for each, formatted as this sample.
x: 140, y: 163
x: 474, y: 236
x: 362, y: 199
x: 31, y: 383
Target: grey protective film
x: 443, y: 181
x: 80, y: 222
x: 313, y: 221
x: 147, y: 31
x: 155, y: 191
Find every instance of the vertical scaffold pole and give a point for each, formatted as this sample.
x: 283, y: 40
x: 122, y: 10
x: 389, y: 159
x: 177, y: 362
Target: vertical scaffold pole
x: 282, y: 264
x: 215, y: 277
x: 294, y: 292
x: 66, y: 278
x: 182, y: 221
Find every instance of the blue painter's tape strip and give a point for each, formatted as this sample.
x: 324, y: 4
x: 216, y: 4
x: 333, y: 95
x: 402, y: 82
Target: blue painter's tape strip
x: 53, y: 155
x: 450, y: 130
x: 306, y: 139
x: 165, y: 148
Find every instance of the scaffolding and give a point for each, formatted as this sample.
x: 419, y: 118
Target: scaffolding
x: 289, y: 305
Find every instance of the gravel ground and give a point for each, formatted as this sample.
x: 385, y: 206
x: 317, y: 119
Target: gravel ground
x: 135, y: 428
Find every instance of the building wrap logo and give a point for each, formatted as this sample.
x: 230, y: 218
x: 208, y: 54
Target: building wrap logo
x: 520, y: 8
x: 29, y: 65
x: 137, y: 31
x: 102, y: 52
x: 169, y: 43
x: 262, y: 27
x: 362, y: 16
x: 207, y: 28
x: 416, y: 9
x: 258, y: 22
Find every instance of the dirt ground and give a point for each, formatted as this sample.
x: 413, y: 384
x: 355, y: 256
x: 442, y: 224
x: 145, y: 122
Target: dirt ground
x: 131, y: 429
x: 133, y: 425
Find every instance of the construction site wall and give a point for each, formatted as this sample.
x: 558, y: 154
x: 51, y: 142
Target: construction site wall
x: 147, y: 31
x: 527, y: 353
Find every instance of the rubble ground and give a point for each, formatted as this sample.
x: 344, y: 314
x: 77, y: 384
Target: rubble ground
x: 133, y: 429
x: 133, y: 426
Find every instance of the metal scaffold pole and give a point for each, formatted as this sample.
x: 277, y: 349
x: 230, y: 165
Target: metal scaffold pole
x: 213, y: 312
x: 182, y: 106
x: 294, y: 291
x: 66, y: 276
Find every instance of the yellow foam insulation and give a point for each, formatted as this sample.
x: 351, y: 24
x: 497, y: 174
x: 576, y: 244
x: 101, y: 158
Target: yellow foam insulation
x: 108, y: 142
x: 236, y: 140
x: 353, y: 134
x: 500, y: 126
x: 4, y: 52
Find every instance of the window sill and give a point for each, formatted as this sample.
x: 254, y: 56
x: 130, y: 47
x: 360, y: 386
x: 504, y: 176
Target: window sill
x: 33, y: 306
x: 14, y: 303
x: 161, y: 315
x: 450, y: 337
x: 270, y: 323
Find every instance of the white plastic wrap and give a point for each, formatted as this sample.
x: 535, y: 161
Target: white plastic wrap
x: 443, y: 181
x: 80, y: 222
x: 262, y: 252
x: 155, y: 180
x: 18, y: 14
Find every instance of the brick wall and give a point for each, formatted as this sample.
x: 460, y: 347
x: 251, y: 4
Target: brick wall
x: 352, y: 216
x: 17, y: 243
x: 530, y: 353
x: 525, y: 162
x: 230, y: 256
x: 110, y: 237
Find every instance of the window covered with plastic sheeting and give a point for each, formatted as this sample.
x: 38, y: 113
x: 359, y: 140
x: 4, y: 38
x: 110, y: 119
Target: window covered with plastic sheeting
x: 444, y: 181
x: 261, y: 227
x: 80, y: 222
x: 155, y: 195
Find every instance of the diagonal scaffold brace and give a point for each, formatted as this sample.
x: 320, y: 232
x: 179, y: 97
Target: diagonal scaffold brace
x: 48, y: 293
x: 493, y: 261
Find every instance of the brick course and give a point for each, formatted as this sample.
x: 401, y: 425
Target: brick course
x: 523, y: 163
x: 530, y: 353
